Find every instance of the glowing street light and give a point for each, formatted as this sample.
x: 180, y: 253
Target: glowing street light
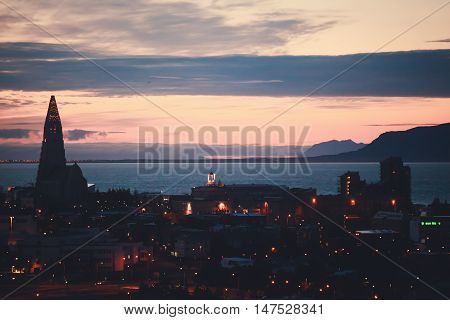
x: 288, y: 217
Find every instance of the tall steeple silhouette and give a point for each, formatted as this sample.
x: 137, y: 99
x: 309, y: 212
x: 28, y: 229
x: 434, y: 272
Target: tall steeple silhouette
x: 53, y: 156
x: 57, y: 185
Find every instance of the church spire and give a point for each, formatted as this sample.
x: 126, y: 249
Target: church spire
x: 53, y: 158
x: 52, y: 124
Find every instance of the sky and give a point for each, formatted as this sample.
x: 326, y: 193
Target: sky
x: 223, y: 63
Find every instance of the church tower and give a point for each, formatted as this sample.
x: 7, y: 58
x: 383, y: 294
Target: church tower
x: 53, y: 157
x: 57, y: 185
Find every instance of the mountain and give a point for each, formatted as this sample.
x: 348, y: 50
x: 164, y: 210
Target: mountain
x: 333, y: 147
x: 418, y: 144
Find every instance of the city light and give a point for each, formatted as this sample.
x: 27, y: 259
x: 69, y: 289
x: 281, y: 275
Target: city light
x: 189, y: 208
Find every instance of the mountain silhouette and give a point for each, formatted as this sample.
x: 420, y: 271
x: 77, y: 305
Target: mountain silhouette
x: 420, y: 144
x: 333, y: 147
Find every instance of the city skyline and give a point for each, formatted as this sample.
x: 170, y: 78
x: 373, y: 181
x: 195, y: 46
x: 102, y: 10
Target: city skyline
x: 180, y: 151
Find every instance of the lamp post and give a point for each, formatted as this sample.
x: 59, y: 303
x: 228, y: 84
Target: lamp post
x: 287, y: 218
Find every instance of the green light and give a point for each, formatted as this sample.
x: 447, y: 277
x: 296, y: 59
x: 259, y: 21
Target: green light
x: 430, y: 223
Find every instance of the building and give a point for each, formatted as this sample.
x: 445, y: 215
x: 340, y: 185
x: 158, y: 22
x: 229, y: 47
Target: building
x: 395, y: 179
x: 392, y: 193
x: 350, y: 184
x: 218, y: 198
x: 432, y: 232
x: 192, y: 244
x: 236, y: 262
x: 389, y: 220
x: 57, y: 184
x: 105, y: 254
x: 21, y: 197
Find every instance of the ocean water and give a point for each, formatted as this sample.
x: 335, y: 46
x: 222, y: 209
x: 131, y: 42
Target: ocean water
x: 429, y: 180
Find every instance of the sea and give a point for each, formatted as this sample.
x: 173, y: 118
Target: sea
x: 428, y: 180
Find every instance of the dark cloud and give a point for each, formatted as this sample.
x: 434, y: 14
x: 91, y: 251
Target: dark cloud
x: 16, y: 133
x: 402, y: 124
x: 414, y: 73
x: 441, y: 40
x: 79, y: 134
x: 39, y: 51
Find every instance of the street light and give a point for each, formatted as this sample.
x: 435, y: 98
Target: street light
x: 287, y: 218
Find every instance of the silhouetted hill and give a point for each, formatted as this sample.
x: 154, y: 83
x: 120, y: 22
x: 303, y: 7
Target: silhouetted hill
x: 419, y: 144
x: 333, y: 147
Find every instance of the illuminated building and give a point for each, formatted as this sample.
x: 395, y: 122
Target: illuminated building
x: 57, y: 185
x: 350, y: 183
x: 220, y: 198
x: 211, y: 179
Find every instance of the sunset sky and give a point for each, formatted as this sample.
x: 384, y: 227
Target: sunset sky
x: 222, y: 63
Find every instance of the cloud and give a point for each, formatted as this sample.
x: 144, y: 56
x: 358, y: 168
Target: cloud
x: 16, y: 133
x: 414, y: 73
x: 165, y: 77
x: 162, y: 28
x: 8, y: 102
x: 343, y: 106
x: 258, y: 81
x: 79, y: 134
x: 440, y: 40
